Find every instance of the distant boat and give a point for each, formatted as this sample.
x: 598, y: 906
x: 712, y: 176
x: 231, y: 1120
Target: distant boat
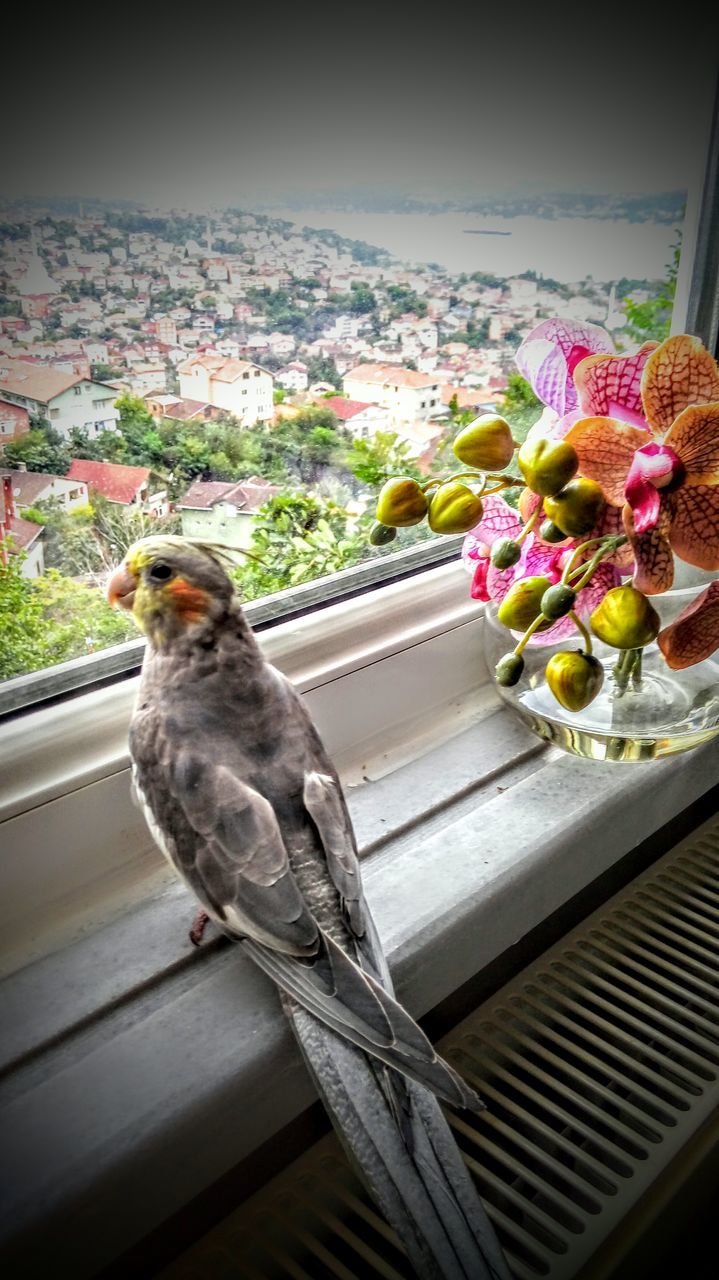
x: 475, y: 231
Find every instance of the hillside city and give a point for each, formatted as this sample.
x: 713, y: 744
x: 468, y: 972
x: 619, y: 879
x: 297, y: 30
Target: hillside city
x: 234, y: 377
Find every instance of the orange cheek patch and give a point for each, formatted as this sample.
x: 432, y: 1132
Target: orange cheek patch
x: 190, y: 603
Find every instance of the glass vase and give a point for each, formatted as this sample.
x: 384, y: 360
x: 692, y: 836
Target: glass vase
x: 660, y: 712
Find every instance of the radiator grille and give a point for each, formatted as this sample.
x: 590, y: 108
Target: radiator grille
x: 599, y: 1062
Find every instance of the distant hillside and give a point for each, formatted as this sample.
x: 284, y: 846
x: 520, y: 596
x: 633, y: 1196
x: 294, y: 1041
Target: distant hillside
x: 665, y: 207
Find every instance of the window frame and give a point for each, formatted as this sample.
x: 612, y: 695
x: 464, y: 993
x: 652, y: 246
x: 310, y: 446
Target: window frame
x: 126, y: 1110
x: 326, y: 642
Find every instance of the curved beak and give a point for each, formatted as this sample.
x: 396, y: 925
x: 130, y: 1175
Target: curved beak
x: 121, y: 588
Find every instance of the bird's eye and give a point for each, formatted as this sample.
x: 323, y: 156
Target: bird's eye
x: 160, y: 572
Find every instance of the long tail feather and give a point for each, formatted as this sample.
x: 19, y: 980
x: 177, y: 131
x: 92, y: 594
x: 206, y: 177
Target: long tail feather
x: 414, y: 1056
x: 396, y: 1137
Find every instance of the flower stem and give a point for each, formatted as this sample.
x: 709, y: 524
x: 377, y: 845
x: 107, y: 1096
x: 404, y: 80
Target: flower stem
x: 476, y: 477
x: 571, y: 565
x: 540, y: 618
x: 583, y: 573
x: 583, y: 632
x: 529, y: 525
x: 628, y: 666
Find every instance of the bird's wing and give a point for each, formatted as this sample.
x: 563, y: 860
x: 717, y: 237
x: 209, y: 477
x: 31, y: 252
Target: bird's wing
x: 240, y: 858
x: 325, y: 803
x: 361, y: 1011
x: 242, y: 864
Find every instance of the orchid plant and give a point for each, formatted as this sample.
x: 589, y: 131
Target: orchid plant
x: 618, y: 478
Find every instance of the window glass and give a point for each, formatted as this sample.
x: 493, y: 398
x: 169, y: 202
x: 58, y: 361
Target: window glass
x: 322, y: 303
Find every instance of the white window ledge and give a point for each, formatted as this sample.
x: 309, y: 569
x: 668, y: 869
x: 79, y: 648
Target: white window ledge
x: 137, y: 1070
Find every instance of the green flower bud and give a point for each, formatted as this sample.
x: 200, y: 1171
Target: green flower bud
x: 454, y: 508
x: 625, y: 619
x: 547, y: 465
x: 505, y: 553
x: 380, y: 534
x: 557, y: 601
x: 509, y: 670
x: 551, y: 533
x: 523, y: 603
x: 574, y: 678
x: 576, y: 508
x: 486, y: 443
x: 401, y: 503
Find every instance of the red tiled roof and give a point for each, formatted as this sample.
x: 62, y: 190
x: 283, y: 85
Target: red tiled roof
x: 204, y: 493
x: 37, y: 382
x: 467, y: 397
x: 116, y: 483
x: 219, y: 367
x: 344, y: 408
x: 395, y: 375
x: 22, y: 533
x: 249, y: 495
x: 28, y: 486
x: 175, y: 407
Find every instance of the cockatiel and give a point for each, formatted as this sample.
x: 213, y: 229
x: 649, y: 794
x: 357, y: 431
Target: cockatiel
x: 243, y: 800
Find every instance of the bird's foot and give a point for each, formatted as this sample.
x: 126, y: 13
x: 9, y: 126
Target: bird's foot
x: 198, y: 927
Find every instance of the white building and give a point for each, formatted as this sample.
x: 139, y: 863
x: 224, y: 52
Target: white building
x: 293, y: 378
x: 281, y: 344
x: 95, y: 351
x: 409, y: 396
x: 363, y: 420
x: 224, y: 511
x: 31, y: 487
x: 228, y: 347
x: 65, y: 399
x: 19, y: 536
x: 238, y: 386
x: 144, y: 378
x: 344, y: 326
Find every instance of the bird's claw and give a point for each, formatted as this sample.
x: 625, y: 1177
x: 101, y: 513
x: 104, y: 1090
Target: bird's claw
x: 198, y: 927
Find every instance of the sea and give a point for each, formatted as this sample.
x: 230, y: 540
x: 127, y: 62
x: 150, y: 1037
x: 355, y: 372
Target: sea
x: 565, y: 249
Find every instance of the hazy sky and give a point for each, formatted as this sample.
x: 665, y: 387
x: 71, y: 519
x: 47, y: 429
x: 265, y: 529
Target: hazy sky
x: 201, y: 109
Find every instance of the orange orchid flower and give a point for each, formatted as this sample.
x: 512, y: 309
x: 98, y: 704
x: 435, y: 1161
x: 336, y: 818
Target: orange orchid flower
x: 657, y: 456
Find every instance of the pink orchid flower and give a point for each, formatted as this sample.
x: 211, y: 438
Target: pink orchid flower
x: 551, y: 352
x: 499, y: 520
x: 656, y: 456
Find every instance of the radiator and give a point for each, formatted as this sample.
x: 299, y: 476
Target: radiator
x: 599, y: 1064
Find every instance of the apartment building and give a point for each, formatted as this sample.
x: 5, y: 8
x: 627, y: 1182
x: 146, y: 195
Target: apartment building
x: 409, y: 396
x: 67, y: 400
x: 239, y: 386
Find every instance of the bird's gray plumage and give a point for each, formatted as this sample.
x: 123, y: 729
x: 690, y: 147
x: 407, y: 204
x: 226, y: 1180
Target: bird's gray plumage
x: 246, y: 804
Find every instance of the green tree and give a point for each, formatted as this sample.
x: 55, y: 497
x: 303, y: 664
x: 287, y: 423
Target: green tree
x: 23, y: 637
x: 304, y: 448
x: 651, y: 320
x: 91, y: 540
x: 520, y: 406
x: 362, y: 300
x: 323, y: 369
x: 69, y: 541
x: 77, y: 619
x: 52, y: 619
x: 299, y: 537
x: 373, y: 461
x: 40, y: 449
